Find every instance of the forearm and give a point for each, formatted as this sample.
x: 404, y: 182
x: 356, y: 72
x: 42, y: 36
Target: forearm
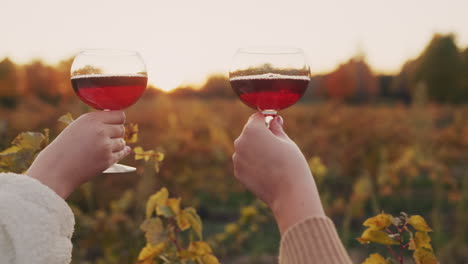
x: 46, y: 169
x: 296, y: 203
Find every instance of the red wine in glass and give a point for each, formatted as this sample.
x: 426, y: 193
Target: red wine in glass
x: 109, y: 92
x: 269, y: 91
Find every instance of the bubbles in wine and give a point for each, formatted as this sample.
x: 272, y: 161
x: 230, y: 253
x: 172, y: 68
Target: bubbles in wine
x: 269, y: 76
x: 100, y: 75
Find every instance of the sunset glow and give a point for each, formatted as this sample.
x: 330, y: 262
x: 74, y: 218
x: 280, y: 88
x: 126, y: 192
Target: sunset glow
x: 184, y: 42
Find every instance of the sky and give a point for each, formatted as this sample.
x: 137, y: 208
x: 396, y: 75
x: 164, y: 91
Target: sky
x: 184, y: 41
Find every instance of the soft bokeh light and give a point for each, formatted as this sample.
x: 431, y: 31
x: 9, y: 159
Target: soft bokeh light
x: 183, y: 41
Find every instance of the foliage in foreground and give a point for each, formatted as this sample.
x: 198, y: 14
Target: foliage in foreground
x: 173, y: 234
x: 405, y: 232
x: 364, y: 159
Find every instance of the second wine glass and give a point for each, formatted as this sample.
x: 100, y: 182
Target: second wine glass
x: 269, y: 79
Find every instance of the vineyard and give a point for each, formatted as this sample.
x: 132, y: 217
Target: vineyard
x: 365, y: 159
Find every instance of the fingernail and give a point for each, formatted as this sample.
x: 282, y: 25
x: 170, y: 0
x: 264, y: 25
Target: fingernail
x: 280, y: 120
x: 128, y: 149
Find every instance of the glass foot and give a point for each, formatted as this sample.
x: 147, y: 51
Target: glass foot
x: 119, y: 168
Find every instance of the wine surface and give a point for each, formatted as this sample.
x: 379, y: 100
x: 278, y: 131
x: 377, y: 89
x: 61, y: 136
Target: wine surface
x: 109, y: 92
x: 269, y: 91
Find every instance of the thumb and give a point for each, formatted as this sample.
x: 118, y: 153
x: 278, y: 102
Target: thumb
x: 276, y: 127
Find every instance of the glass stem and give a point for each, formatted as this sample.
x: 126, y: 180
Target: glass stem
x: 269, y: 115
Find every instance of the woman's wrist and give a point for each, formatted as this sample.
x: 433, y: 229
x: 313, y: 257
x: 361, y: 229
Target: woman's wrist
x: 296, y: 205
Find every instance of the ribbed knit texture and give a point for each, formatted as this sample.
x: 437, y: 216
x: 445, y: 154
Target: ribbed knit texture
x: 313, y: 240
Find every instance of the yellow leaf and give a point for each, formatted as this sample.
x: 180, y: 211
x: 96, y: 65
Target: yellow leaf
x: 156, y: 200
x: 424, y: 256
x: 10, y: 150
x: 160, y: 156
x: 379, y: 221
x: 319, y: 170
x: 149, y: 252
x: 185, y: 254
x: 199, y: 248
x: 412, y: 244
x: 131, y: 133
x: 182, y: 221
x: 66, y: 119
x: 231, y: 228
x: 209, y: 259
x: 138, y: 153
x: 148, y: 154
x: 156, y: 167
x: 147, y: 261
x: 195, y: 222
x: 376, y: 236
x: 419, y: 223
x: 248, y: 212
x: 422, y: 240
x: 375, y: 258
x: 174, y: 204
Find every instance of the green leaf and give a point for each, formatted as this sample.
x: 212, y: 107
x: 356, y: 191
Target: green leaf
x: 165, y: 211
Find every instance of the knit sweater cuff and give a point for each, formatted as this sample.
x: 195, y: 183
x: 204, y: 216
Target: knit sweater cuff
x: 313, y: 240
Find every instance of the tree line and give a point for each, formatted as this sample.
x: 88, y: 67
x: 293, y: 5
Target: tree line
x: 442, y: 67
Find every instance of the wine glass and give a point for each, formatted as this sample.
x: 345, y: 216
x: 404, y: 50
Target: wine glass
x: 107, y: 79
x: 269, y: 79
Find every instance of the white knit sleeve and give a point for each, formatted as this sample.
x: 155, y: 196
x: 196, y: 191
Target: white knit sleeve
x: 35, y: 223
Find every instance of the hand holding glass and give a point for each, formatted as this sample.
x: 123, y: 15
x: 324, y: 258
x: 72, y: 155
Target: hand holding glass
x: 109, y: 80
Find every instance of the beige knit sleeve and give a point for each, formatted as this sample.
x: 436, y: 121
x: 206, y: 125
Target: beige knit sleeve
x: 313, y: 240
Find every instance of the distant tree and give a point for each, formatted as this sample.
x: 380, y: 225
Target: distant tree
x: 440, y: 67
x: 351, y: 82
x: 217, y: 86
x: 8, y: 83
x: 385, y: 84
x: 313, y: 90
x: 403, y: 84
x: 464, y: 55
x: 151, y: 92
x: 184, y: 92
x: 42, y: 81
x: 62, y: 76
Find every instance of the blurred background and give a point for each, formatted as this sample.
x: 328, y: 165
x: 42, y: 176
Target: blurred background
x: 384, y: 122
